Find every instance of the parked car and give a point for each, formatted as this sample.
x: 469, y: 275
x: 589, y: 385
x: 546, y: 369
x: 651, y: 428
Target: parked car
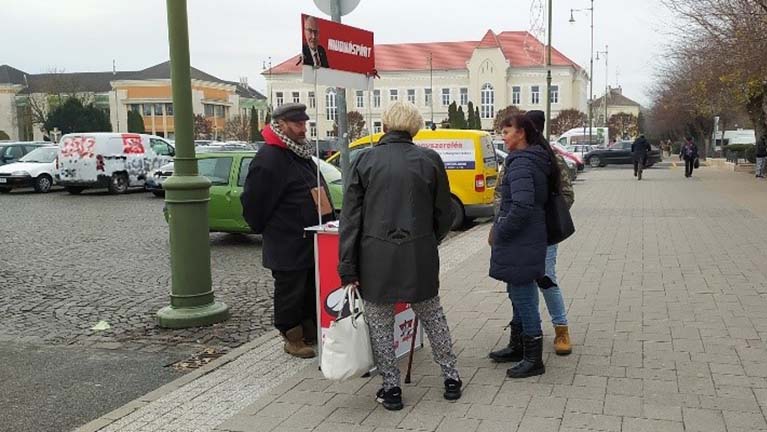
x: 580, y: 149
x: 12, y: 151
x: 227, y: 172
x: 619, y: 154
x: 472, y: 168
x: 573, y: 157
x: 35, y: 169
x: 116, y: 161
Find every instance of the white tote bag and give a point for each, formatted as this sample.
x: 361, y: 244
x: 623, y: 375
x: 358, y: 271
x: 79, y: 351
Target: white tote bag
x: 346, y: 351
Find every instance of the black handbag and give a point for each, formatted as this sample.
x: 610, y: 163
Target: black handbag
x: 696, y: 164
x: 559, y: 223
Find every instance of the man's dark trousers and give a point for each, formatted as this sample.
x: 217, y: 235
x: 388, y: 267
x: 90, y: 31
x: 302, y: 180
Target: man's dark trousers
x: 294, y: 298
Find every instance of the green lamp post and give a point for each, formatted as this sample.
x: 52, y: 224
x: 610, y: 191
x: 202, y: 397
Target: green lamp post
x: 192, y: 301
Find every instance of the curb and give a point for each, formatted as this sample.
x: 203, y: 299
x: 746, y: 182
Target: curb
x: 176, y: 384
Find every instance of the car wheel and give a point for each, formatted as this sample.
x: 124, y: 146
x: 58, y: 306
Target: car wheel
x: 158, y: 194
x: 595, y: 162
x: 74, y: 190
x: 118, y: 184
x: 43, y: 183
x: 5, y: 190
x: 458, y: 215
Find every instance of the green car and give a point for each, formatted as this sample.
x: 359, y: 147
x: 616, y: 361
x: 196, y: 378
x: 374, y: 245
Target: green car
x: 227, y: 172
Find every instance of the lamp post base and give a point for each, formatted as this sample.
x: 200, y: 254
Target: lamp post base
x: 184, y: 317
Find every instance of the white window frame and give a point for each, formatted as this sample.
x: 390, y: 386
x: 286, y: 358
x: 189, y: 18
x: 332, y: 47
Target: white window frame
x: 377, y: 127
x: 445, y: 96
x: 535, y: 95
x: 359, y: 95
x: 464, y: 92
x: 280, y: 96
x: 376, y: 98
x: 427, y: 96
x: 296, y: 97
x: 555, y: 94
x: 516, y: 95
x: 313, y: 129
x: 487, y: 101
x: 411, y: 96
x: 331, y: 109
x: 393, y: 95
x: 312, y: 100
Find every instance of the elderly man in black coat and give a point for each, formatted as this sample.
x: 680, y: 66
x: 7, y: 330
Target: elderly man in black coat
x: 396, y: 211
x: 280, y: 199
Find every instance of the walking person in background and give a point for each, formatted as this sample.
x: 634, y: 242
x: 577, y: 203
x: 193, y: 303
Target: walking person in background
x: 519, y: 236
x: 639, y: 149
x: 397, y: 209
x: 548, y: 284
x: 688, y: 152
x: 761, y: 156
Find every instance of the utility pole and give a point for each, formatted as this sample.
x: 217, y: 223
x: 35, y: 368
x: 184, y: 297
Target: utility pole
x: 591, y: 76
x: 431, y: 89
x: 192, y: 301
x: 548, y: 78
x: 607, y: 85
x: 117, y: 102
x: 341, y: 117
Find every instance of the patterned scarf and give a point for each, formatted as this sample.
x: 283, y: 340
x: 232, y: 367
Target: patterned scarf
x: 304, y: 150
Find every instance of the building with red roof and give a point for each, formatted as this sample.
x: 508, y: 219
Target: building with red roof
x: 499, y: 70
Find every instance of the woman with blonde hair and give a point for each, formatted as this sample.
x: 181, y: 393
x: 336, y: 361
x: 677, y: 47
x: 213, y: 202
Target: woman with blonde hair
x: 396, y: 211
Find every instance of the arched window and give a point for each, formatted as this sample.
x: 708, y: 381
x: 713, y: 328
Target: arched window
x: 487, y: 101
x: 331, y: 111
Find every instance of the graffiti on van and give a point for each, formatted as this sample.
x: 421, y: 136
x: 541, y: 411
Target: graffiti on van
x: 78, y: 146
x: 132, y: 144
x: 137, y: 166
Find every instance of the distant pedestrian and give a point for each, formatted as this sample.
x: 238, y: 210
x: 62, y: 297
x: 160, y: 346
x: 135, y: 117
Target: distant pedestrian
x: 761, y: 156
x: 548, y: 284
x: 639, y: 149
x: 519, y: 239
x: 688, y: 152
x: 396, y: 211
x: 280, y: 199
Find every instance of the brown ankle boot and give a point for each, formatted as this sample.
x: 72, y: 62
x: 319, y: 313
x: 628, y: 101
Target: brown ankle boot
x: 562, y: 340
x: 295, y: 345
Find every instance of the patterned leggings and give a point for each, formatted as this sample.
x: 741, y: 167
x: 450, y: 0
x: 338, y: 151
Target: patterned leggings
x: 380, y: 318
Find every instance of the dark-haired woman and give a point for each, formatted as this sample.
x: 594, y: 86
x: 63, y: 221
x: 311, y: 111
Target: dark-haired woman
x: 519, y: 234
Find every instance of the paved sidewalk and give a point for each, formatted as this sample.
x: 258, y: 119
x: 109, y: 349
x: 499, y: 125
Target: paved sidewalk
x: 665, y: 283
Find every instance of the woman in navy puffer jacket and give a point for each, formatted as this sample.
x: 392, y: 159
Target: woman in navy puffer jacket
x: 519, y: 234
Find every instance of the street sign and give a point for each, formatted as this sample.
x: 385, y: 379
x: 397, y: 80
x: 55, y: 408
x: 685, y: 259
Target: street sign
x: 346, y: 6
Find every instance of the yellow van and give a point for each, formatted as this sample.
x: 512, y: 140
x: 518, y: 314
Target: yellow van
x: 472, y: 167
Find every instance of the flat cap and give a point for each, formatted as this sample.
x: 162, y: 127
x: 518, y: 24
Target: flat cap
x: 290, y: 112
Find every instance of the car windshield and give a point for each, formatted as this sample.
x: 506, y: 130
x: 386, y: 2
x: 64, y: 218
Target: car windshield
x: 40, y: 155
x: 331, y: 174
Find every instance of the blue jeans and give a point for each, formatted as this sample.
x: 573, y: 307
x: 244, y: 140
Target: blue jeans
x: 553, y: 295
x: 524, y: 304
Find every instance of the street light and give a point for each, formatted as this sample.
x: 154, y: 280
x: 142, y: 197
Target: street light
x: 591, y: 59
x: 269, y: 71
x: 607, y: 86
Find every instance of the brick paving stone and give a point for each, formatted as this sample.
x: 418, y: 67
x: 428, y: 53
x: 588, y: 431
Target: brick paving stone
x: 667, y: 320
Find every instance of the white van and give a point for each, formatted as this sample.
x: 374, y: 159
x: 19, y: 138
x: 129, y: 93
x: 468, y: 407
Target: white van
x: 116, y: 161
x: 580, y: 135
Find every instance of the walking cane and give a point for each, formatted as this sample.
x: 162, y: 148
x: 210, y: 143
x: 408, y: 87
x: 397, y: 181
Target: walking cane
x: 412, y: 351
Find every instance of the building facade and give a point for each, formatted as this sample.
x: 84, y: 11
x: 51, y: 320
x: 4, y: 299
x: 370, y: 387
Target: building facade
x: 500, y: 70
x: 614, y: 103
x: 147, y: 92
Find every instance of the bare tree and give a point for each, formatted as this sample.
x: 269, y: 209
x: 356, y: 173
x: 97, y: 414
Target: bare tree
x: 237, y: 128
x: 356, y: 124
x: 566, y: 120
x: 623, y: 125
x: 52, y: 89
x: 502, y: 114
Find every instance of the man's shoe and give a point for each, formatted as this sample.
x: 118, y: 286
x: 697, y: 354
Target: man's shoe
x: 453, y: 389
x: 295, y: 345
x: 390, y: 399
x: 310, y: 331
x: 562, y: 340
x: 532, y: 363
x: 513, y: 351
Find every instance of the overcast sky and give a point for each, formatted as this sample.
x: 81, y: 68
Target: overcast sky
x: 233, y: 38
